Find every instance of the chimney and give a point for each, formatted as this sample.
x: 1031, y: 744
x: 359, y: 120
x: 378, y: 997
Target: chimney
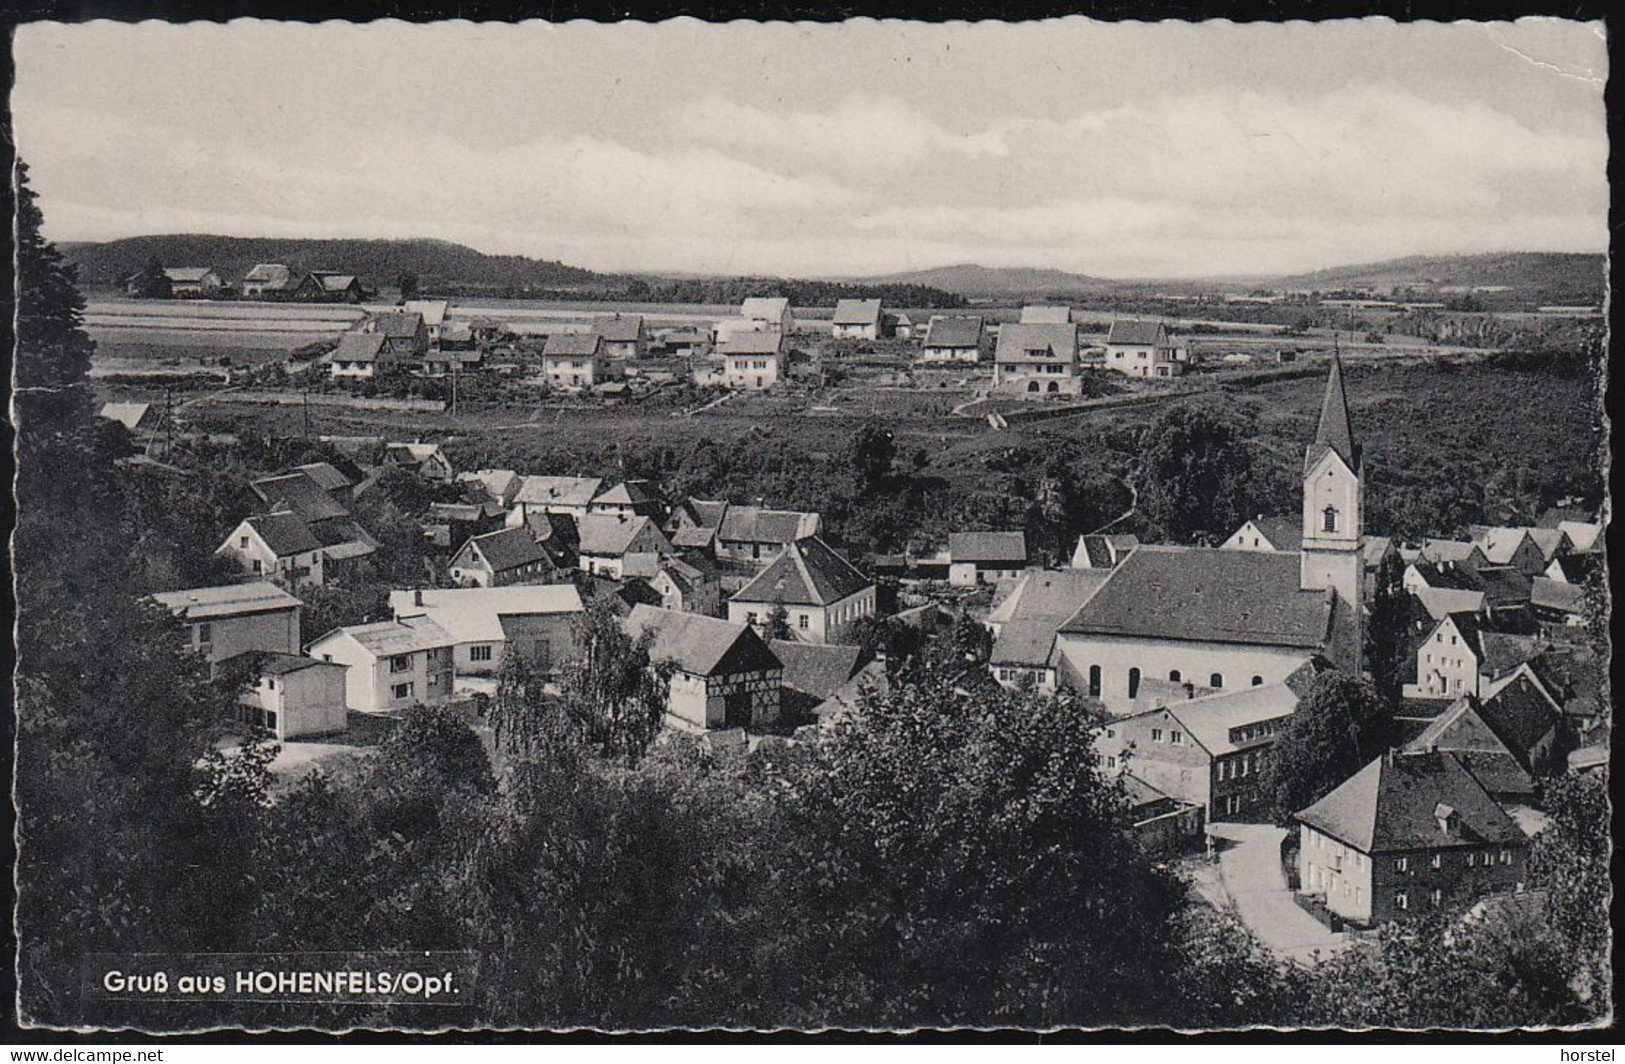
x: 1190, y: 689
x: 417, y: 598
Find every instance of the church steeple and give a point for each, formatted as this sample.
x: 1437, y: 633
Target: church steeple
x: 1335, y: 432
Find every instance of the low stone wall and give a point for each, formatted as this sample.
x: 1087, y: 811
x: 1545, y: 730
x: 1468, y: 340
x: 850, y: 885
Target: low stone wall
x: 353, y: 402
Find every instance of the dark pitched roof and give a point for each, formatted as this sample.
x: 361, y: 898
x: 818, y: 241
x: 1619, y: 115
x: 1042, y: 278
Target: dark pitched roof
x: 695, y: 538
x: 808, y: 573
x: 1024, y: 342
x: 701, y: 646
x: 1395, y: 804
x: 953, y: 331
x: 1521, y: 715
x: 1136, y: 331
x: 1554, y: 595
x: 752, y: 343
x: 752, y: 524
x: 621, y: 328
x: 327, y: 476
x: 1209, y: 595
x: 856, y: 312
x: 1001, y: 547
x: 609, y: 533
x: 1284, y: 532
x: 285, y: 533
x: 576, y: 345
x: 1501, y: 652
x: 816, y: 669
x: 1024, y: 641
x: 1462, y: 731
x: 398, y: 324
x: 357, y: 347
x: 298, y: 493
x: 1335, y: 432
x: 509, y: 549
x: 1503, y: 586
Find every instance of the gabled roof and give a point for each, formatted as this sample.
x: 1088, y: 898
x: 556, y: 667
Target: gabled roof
x: 572, y: 345
x: 693, y: 538
x: 474, y: 614
x: 325, y: 476
x: 1522, y: 715
x: 1449, y: 550
x: 1004, y: 548
x: 1025, y: 343
x: 1024, y: 642
x: 334, y: 282
x: 751, y: 343
x: 397, y: 324
x: 1137, y: 332
x: 816, y: 669
x: 432, y: 311
x: 509, y: 548
x: 267, y: 663
x: 1284, y: 533
x: 706, y: 513
x: 357, y: 347
x: 611, y: 534
x: 1582, y: 534
x: 1441, y: 601
x: 628, y: 493
x: 753, y: 524
x: 953, y: 330
x: 269, y: 273
x: 285, y: 533
x: 1334, y: 432
x: 808, y: 573
x: 1048, y: 596
x: 700, y: 646
x: 558, y: 491
x: 1503, y: 586
x: 387, y: 638
x: 130, y: 415
x: 1549, y: 594
x: 1207, y: 595
x: 187, y: 274
x: 765, y: 308
x: 1372, y: 549
x: 1395, y: 803
x: 500, y: 484
x: 1209, y: 718
x: 298, y: 493
x: 856, y: 312
x: 1501, y: 652
x: 202, y: 603
x: 619, y: 329
x: 1499, y: 543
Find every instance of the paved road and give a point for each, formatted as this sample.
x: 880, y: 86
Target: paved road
x: 1249, y: 875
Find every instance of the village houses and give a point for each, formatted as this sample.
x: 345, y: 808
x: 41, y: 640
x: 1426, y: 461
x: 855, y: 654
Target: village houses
x: 723, y: 674
x: 857, y: 319
x: 953, y: 338
x: 392, y: 664
x: 488, y: 624
x: 362, y: 356
x: 267, y: 280
x: 194, y: 282
x: 326, y: 286
x: 1024, y: 624
x: 1138, y: 348
x: 1463, y: 653
x: 624, y: 336
x: 406, y: 337
x: 985, y: 557
x: 617, y: 545
x: 294, y: 697
x: 433, y: 312
x: 497, y: 559
x: 821, y: 593
x: 770, y: 313
x: 279, y: 547
x: 1405, y: 836
x: 223, y: 622
x: 752, y: 361
x: 1037, y: 359
x: 576, y: 361
x: 572, y: 496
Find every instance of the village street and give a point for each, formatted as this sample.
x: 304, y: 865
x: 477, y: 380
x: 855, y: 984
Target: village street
x: 1248, y: 881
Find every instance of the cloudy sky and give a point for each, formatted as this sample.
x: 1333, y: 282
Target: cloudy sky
x: 1121, y: 150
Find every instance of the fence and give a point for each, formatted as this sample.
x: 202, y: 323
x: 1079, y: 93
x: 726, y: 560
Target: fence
x: 353, y: 402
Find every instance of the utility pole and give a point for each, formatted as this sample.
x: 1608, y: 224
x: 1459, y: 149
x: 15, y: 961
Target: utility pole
x: 307, y: 411
x: 169, y: 423
x: 456, y: 365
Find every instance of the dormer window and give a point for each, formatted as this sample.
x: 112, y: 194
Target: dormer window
x: 1328, y: 519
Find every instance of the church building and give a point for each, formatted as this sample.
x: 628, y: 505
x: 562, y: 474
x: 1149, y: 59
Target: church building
x: 1221, y: 619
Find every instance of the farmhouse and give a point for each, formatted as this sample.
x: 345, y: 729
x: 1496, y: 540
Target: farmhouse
x: 1037, y: 359
x: 278, y: 546
x: 391, y: 665
x: 1025, y: 622
x: 553, y: 495
x: 857, y: 319
x: 723, y: 674
x: 813, y: 673
x: 1234, y: 618
x: 614, y: 544
x: 363, y: 355
x: 686, y: 586
x: 268, y: 280
x: 1139, y: 348
x: 1405, y: 836
x: 406, y: 337
x: 489, y: 623
x: 629, y: 498
x: 771, y: 313
x: 497, y: 559
x: 327, y: 286
x: 952, y: 338
x: 1043, y: 315
x: 980, y: 557
x: 1529, y: 550
x: 624, y: 335
x: 752, y: 361
x: 433, y: 313
x: 427, y: 460
x: 682, y: 343
x: 744, y: 533
x: 222, y: 622
x: 1280, y: 533
x: 194, y: 282
x: 1463, y: 653
x: 293, y: 697
x: 821, y: 593
x: 576, y: 361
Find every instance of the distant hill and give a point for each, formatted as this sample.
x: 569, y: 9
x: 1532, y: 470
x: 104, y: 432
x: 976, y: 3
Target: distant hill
x: 972, y: 281
x: 438, y: 263
x: 1547, y: 276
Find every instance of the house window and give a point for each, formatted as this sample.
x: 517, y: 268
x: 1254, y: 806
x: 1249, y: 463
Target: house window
x: 1402, y: 864
x: 750, y: 617
x: 1436, y: 897
x: 403, y: 690
x: 242, y: 542
x: 1472, y: 860
x: 1111, y: 762
x: 1438, y: 861
x: 1156, y: 735
x: 400, y: 663
x: 482, y: 653
x: 205, y: 634
x: 1215, y: 681
x: 1328, y: 519
x: 1506, y: 857
x: 1173, y: 675
x: 258, y: 567
x: 1133, y: 683
x: 803, y: 621
x: 1176, y: 737
x: 1094, y: 681
x: 1258, y: 681
x: 1402, y: 900
x: 1111, y: 733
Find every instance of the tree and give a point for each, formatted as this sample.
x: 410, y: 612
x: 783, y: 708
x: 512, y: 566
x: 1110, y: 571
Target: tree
x: 870, y: 456
x: 407, y: 282
x: 53, y: 351
x: 152, y: 282
x: 1339, y: 727
x: 778, y: 623
x: 1196, y: 473
x: 611, y: 702
x: 1385, y: 630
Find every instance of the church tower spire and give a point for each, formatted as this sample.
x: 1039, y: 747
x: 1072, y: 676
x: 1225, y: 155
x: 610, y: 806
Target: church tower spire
x: 1334, y: 502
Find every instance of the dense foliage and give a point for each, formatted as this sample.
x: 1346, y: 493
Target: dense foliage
x: 1339, y: 727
